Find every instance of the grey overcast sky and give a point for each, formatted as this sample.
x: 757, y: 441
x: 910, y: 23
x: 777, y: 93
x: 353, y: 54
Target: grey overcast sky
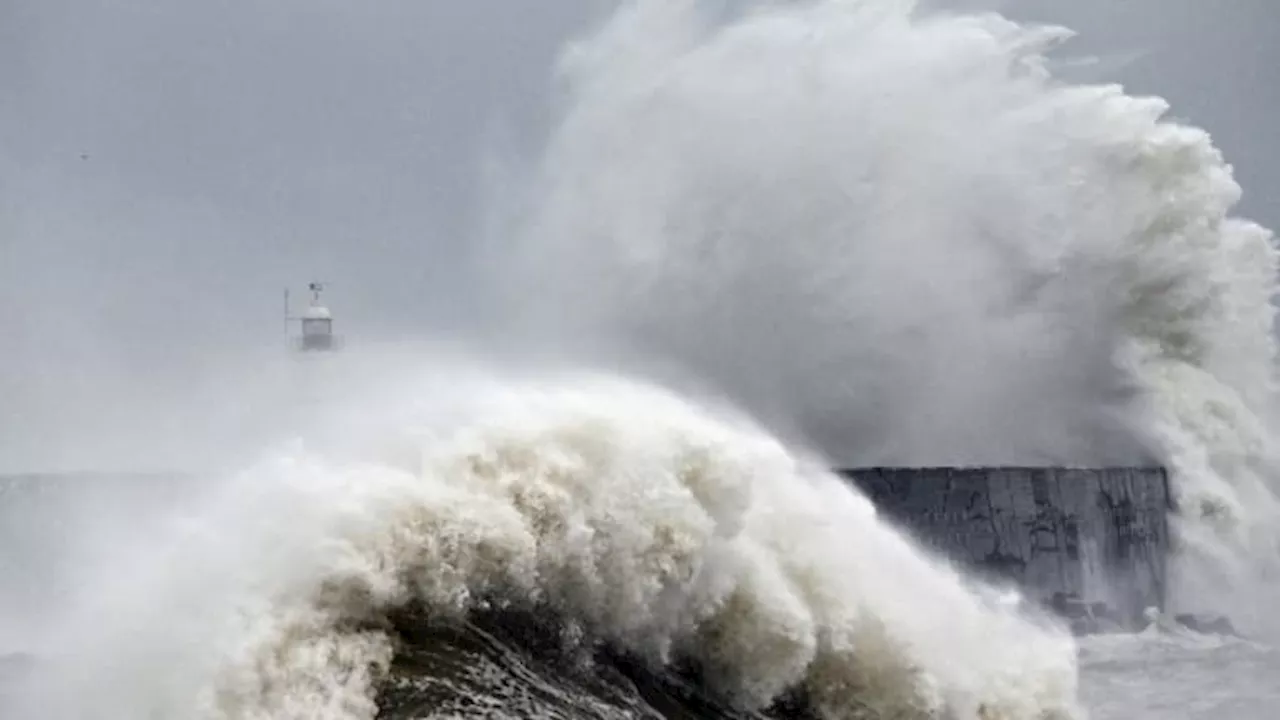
x: 166, y: 166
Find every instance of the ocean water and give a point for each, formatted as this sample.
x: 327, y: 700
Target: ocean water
x: 527, y: 662
x: 757, y: 244
x: 1179, y: 675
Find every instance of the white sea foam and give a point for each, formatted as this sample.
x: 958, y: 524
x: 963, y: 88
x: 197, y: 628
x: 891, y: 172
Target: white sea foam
x: 658, y: 525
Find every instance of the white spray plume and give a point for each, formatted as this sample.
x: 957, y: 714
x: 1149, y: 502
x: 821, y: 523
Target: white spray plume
x: 893, y: 234
x: 885, y: 232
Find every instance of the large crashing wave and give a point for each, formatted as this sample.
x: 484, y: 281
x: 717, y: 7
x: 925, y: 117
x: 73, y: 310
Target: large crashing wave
x: 888, y: 234
x: 651, y: 524
x: 894, y: 234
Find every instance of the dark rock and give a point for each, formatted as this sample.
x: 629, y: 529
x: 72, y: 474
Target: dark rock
x: 1070, y: 606
x: 1207, y: 624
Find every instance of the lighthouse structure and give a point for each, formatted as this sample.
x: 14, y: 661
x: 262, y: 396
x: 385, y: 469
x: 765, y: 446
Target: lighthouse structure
x: 316, y: 323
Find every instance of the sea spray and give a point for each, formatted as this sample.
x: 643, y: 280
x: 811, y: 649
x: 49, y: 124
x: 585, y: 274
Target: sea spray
x: 893, y: 234
x: 886, y: 233
x: 664, y: 529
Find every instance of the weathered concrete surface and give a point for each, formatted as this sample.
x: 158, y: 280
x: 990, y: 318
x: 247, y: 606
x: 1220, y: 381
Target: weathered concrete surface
x: 1101, y: 535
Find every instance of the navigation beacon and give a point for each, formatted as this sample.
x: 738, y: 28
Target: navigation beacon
x: 317, y: 323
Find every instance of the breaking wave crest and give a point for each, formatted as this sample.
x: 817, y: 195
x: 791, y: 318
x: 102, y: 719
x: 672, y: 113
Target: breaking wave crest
x: 645, y: 522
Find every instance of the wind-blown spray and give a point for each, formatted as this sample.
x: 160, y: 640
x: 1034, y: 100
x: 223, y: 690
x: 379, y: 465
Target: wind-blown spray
x: 886, y: 234
x: 668, y: 530
x: 895, y: 235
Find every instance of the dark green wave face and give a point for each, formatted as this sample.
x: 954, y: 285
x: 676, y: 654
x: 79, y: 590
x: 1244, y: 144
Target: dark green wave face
x: 526, y: 664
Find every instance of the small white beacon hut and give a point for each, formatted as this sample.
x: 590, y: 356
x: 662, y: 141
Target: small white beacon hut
x: 317, y: 323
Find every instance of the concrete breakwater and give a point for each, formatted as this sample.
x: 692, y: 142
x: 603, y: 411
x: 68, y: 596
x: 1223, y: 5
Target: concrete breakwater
x: 1090, y: 543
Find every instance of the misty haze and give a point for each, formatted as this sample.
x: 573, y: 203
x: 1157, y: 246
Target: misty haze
x: 615, y: 288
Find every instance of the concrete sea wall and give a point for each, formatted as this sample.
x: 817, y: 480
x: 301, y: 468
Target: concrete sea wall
x: 1067, y: 536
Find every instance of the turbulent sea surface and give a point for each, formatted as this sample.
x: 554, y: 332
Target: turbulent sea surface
x: 529, y: 663
x: 759, y: 243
